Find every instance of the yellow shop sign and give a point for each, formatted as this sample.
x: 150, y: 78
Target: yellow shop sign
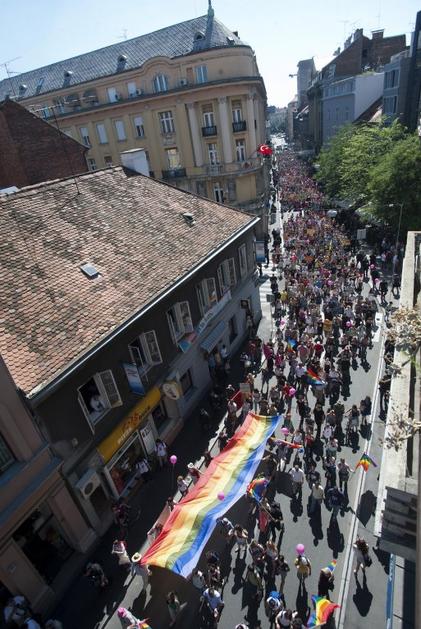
x: 128, y: 425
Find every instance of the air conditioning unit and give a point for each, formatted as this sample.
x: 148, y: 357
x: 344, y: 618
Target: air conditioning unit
x: 88, y: 483
x: 183, y: 82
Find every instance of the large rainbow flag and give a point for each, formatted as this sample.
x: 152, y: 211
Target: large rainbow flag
x: 365, y: 462
x: 323, y: 611
x: 191, y: 523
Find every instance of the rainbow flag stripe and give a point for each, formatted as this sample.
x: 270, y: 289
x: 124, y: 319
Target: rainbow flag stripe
x: 323, y: 611
x: 365, y: 462
x: 144, y: 625
x: 292, y: 343
x: 332, y: 565
x: 256, y: 488
x: 191, y: 523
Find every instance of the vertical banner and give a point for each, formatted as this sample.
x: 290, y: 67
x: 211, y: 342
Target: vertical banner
x: 133, y: 378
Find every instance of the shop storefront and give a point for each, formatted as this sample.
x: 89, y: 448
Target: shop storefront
x: 132, y: 439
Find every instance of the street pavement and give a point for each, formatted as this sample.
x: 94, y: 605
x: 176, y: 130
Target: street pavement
x: 362, y: 603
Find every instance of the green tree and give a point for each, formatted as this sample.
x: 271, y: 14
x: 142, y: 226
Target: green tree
x: 330, y: 160
x: 394, y: 184
x: 365, y: 148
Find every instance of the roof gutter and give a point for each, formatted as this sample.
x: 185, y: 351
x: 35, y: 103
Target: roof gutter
x: 42, y: 391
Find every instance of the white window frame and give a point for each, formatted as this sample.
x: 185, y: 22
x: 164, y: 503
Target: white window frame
x: 138, y: 126
x: 101, y: 132
x: 84, y: 134
x: 146, y: 340
x: 213, y: 153
x: 207, y: 296
x: 160, y: 83
x: 208, y: 118
x: 132, y: 89
x: 227, y: 277
x: 240, y: 150
x: 113, y: 95
x: 92, y: 163
x: 120, y: 130
x: 173, y: 158
x: 166, y: 121
x: 108, y: 162
x: 237, y: 114
x: 107, y: 389
x: 242, y: 260
x: 201, y: 74
x: 218, y: 193
x: 183, y: 322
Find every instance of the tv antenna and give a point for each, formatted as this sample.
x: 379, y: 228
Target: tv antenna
x: 124, y: 35
x: 9, y: 72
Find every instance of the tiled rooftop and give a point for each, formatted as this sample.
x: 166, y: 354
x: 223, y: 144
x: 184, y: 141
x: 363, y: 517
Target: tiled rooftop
x: 173, y: 41
x: 129, y: 228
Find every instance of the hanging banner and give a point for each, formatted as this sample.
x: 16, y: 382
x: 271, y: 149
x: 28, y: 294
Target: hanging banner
x: 260, y: 251
x: 225, y: 481
x: 133, y: 378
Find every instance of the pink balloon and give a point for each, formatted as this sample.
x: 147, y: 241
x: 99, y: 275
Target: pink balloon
x: 221, y: 495
x: 372, y: 266
x: 329, y: 282
x: 348, y: 324
x: 285, y: 430
x: 300, y: 548
x: 291, y: 392
x: 173, y: 459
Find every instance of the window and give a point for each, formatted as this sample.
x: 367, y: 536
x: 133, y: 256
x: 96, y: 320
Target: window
x: 390, y: 104
x: 102, y: 134
x: 237, y: 112
x: 108, y: 160
x: 160, y: 83
x: 113, y: 95
x: 91, y: 163
x: 201, y: 189
x: 208, y: 119
x: 179, y: 320
x: 84, y: 134
x: 6, y: 456
x: 138, y: 125
x: 60, y: 105
x: 213, y: 153
x: 206, y: 294
x: 242, y: 258
x: 173, y: 158
x: 167, y: 122
x: 240, y: 150
x: 226, y: 275
x: 98, y: 396
x: 218, y: 193
x: 391, y: 79
x: 145, y: 352
x: 201, y: 74
x: 132, y: 89
x: 120, y: 130
x: 186, y: 382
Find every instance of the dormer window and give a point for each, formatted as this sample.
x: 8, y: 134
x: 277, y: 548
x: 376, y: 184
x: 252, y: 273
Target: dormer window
x: 68, y: 74
x: 160, y: 83
x: 199, y: 36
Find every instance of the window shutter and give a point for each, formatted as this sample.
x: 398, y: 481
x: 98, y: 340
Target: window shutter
x: 221, y: 282
x: 136, y: 356
x: 153, y: 347
x: 110, y: 388
x: 201, y: 298
x: 211, y: 286
x: 83, y: 406
x: 186, y: 320
x: 231, y: 268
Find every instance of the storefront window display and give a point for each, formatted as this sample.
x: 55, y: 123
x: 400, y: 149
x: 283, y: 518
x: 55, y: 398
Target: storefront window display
x: 121, y: 468
x: 41, y: 540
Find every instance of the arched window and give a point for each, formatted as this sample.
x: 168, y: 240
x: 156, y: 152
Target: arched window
x: 160, y: 83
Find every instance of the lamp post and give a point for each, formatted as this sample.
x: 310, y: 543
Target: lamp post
x: 399, y: 205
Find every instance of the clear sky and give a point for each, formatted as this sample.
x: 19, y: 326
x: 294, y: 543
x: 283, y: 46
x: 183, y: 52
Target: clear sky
x: 281, y: 32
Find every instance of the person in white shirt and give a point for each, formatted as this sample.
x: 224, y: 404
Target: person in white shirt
x: 316, y: 498
x: 213, y: 598
x: 297, y: 476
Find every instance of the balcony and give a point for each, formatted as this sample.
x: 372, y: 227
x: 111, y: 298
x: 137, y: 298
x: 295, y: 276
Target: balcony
x: 209, y: 131
x: 239, y: 126
x: 174, y: 173
x: 214, y: 169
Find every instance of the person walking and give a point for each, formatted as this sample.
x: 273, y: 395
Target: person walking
x: 362, y: 555
x: 344, y: 471
x: 127, y: 620
x: 140, y: 570
x: 174, y: 607
x: 326, y: 582
x: 161, y: 451
x: 316, y: 498
x: 297, y: 477
x: 303, y: 565
x: 283, y: 569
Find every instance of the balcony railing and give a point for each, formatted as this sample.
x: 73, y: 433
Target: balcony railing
x: 174, y: 173
x: 251, y: 164
x: 214, y: 169
x: 208, y: 131
x: 239, y: 126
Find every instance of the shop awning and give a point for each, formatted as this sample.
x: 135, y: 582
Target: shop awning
x: 211, y: 340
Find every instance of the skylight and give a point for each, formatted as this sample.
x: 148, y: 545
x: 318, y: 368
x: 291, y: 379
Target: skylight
x: 89, y: 270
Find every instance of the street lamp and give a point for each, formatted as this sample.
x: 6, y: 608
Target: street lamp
x: 399, y: 205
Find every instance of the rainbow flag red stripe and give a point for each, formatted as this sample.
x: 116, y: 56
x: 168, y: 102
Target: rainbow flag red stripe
x: 322, y: 612
x: 256, y: 489
x: 313, y: 377
x: 365, y: 462
x: 191, y: 523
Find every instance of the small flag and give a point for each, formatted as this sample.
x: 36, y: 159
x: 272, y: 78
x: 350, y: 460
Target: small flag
x: 313, y: 377
x: 323, y: 611
x: 256, y: 488
x: 332, y: 565
x: 365, y: 462
x: 264, y: 149
x: 292, y: 343
x: 143, y: 624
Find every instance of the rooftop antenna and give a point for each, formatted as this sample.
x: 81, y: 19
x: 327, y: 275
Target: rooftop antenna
x: 124, y: 35
x: 344, y: 22
x: 5, y: 65
x: 379, y: 14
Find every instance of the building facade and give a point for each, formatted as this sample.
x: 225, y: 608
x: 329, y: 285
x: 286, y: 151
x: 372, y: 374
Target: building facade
x: 413, y: 97
x: 346, y: 100
x: 191, y: 95
x: 33, y: 151
x: 306, y: 71
x: 120, y: 319
x: 41, y: 527
x: 395, y: 87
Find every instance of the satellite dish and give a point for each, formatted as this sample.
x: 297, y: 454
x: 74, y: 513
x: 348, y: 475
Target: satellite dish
x: 171, y: 390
